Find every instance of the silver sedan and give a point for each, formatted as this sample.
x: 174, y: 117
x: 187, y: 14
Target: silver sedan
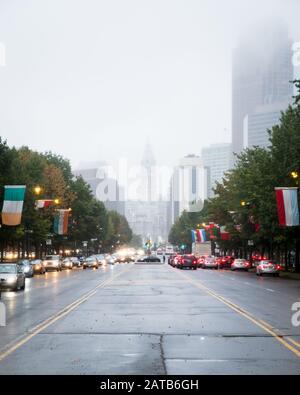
x: 268, y: 267
x: 12, y: 277
x: 240, y: 264
x: 210, y: 262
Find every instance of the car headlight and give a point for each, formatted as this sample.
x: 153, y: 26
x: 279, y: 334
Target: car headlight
x: 27, y: 269
x: 11, y: 280
x: 38, y: 267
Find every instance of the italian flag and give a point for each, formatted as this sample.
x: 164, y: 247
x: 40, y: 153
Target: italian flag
x: 287, y: 206
x: 224, y: 234
x: 61, y: 220
x: 43, y: 203
x: 13, y: 204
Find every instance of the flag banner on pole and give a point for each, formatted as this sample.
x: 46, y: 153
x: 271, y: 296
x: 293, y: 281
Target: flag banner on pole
x: 43, y: 203
x: 201, y: 236
x: 61, y: 220
x: 287, y: 206
x: 194, y: 238
x: 212, y: 230
x: 13, y: 204
x: 224, y: 234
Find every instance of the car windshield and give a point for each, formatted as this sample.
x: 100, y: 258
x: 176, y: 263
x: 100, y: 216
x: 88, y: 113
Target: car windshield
x: 7, y: 269
x: 36, y: 262
x: 51, y: 258
x: 90, y: 259
x: 24, y: 262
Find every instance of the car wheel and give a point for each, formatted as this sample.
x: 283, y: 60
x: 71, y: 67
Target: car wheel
x: 83, y: 267
x: 23, y: 288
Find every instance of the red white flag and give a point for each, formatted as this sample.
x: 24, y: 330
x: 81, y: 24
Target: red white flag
x: 287, y: 206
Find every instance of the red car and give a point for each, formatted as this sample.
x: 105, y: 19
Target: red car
x: 187, y: 262
x: 225, y: 262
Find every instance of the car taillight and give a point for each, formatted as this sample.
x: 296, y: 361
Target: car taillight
x: 194, y: 262
x: 278, y: 267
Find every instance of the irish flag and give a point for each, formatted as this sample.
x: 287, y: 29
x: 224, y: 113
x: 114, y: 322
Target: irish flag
x: 13, y: 204
x: 287, y: 206
x: 61, y: 220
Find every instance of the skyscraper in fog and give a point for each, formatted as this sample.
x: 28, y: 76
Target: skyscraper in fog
x: 217, y: 159
x: 189, y: 186
x: 261, y: 73
x: 147, y: 212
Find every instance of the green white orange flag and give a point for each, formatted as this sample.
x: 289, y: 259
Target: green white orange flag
x: 61, y: 220
x: 13, y: 204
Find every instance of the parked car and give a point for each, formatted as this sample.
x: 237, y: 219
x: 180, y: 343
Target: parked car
x: 111, y: 259
x: 12, y: 277
x: 176, y: 260
x: 91, y: 262
x: 38, y: 266
x: 200, y: 261
x: 225, y: 262
x: 67, y: 264
x: 149, y: 259
x: 52, y: 262
x: 187, y: 262
x: 210, y: 262
x: 240, y: 264
x: 101, y: 259
x: 27, y: 268
x: 76, y: 262
x: 268, y: 267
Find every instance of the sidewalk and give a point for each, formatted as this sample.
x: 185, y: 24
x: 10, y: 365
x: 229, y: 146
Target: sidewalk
x: 290, y: 275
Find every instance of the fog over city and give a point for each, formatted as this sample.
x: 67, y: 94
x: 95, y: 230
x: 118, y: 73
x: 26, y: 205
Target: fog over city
x: 96, y: 80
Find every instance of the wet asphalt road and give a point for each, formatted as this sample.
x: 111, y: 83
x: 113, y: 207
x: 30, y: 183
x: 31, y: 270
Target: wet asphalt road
x: 151, y: 319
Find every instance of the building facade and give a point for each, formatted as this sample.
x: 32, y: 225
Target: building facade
x: 104, y: 188
x: 217, y: 159
x: 257, y: 124
x: 189, y: 186
x: 261, y: 73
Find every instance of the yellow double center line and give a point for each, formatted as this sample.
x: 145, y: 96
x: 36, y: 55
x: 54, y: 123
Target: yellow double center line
x: 286, y: 341
x: 57, y: 316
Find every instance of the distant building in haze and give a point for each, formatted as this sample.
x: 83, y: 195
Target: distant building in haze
x: 261, y: 74
x: 257, y: 124
x: 103, y: 187
x: 147, y: 213
x: 189, y: 186
x: 217, y: 158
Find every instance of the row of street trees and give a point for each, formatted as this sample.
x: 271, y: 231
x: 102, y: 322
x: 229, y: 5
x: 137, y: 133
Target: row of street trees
x: 49, y: 176
x: 245, y: 201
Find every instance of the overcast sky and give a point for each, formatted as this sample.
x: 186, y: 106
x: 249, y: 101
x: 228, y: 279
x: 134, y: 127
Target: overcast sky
x: 94, y: 79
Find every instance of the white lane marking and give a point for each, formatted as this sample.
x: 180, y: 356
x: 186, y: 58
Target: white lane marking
x: 270, y: 290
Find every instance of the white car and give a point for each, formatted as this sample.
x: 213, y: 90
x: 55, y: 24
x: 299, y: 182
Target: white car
x: 210, y: 262
x: 52, y: 262
x: 240, y: 264
x: 268, y: 267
